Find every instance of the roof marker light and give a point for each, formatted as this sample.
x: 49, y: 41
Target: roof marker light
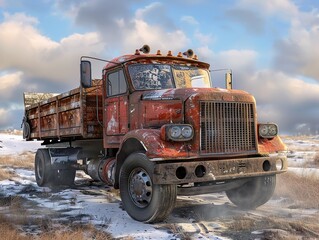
x: 189, y: 53
x: 159, y: 52
x: 137, y: 52
x: 145, y: 49
x: 169, y: 54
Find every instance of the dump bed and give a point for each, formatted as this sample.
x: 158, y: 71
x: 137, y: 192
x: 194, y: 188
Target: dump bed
x: 71, y: 115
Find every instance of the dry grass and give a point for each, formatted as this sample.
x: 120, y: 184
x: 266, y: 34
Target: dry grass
x: 77, y: 233
x: 303, y: 189
x: 9, y: 231
x: 24, y: 160
x: 242, y: 223
x: 177, y: 231
x: 301, y: 143
x: 316, y: 159
x: 276, y: 227
x: 6, y: 174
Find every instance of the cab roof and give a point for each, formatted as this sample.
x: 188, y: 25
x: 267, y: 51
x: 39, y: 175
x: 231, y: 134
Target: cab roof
x: 151, y: 58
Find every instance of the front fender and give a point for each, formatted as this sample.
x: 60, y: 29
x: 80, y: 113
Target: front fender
x: 155, y: 147
x: 267, y: 146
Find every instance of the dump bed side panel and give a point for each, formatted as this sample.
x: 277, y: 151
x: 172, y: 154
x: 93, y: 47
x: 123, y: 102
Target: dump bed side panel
x: 71, y: 115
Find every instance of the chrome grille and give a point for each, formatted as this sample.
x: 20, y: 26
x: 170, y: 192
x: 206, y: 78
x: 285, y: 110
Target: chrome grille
x: 227, y: 127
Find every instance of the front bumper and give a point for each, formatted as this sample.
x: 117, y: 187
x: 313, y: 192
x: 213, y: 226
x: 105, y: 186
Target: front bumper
x: 218, y: 170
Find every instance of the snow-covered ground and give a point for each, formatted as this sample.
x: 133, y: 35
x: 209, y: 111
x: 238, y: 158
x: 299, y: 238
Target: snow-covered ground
x: 197, y: 217
x: 14, y: 144
x: 93, y: 204
x: 87, y: 202
x: 301, y: 153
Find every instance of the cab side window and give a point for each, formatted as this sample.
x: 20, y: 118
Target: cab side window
x: 116, y: 83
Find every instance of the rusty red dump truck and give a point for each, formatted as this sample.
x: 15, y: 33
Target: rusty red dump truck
x: 154, y: 127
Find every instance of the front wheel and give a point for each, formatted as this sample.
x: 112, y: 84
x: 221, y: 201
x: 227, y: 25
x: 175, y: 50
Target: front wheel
x: 143, y: 200
x: 253, y: 193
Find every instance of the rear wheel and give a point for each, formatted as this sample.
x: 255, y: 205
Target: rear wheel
x: 43, y: 169
x: 142, y: 199
x: 47, y: 175
x: 253, y: 193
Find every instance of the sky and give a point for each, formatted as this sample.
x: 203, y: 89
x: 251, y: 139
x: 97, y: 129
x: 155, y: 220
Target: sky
x: 271, y: 47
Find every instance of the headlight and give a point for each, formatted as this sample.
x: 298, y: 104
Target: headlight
x: 187, y: 131
x: 177, y: 132
x: 268, y: 130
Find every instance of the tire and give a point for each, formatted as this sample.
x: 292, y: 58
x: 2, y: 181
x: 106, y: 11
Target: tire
x: 143, y: 200
x: 46, y: 175
x: 253, y: 193
x: 43, y: 170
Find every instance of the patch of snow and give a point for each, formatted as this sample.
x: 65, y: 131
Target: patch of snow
x: 15, y: 144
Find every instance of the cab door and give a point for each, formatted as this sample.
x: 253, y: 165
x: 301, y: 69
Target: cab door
x: 115, y: 108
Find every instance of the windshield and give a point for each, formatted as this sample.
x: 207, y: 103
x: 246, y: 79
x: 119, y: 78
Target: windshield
x: 163, y: 76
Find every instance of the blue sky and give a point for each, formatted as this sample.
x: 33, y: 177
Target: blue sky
x: 271, y: 46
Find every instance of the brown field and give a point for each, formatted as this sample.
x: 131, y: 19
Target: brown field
x: 24, y: 160
x: 10, y: 232
x: 302, y: 189
x: 316, y: 159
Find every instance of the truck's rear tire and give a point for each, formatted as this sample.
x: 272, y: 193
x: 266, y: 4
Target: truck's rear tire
x: 253, y: 193
x: 46, y: 175
x: 143, y: 200
x: 43, y: 170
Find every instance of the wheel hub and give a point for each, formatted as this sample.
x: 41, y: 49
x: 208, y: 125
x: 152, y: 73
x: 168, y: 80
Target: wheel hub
x: 140, y: 187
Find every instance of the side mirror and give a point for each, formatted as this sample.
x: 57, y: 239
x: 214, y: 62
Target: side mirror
x: 86, y: 78
x: 229, y: 80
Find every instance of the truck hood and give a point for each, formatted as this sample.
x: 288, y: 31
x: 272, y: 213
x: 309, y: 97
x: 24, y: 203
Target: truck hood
x: 213, y: 94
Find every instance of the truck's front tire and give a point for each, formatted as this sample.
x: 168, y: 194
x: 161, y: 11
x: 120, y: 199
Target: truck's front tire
x: 253, y: 193
x: 143, y: 200
x: 43, y: 170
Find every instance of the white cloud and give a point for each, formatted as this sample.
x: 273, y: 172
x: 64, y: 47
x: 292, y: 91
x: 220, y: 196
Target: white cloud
x: 157, y: 37
x: 5, y: 117
x: 238, y: 59
x: 287, y: 100
x: 298, y: 53
x: 282, y: 8
x: 24, y: 48
x: 20, y: 18
x: 189, y: 20
x: 8, y: 83
x: 203, y: 39
x: 141, y: 13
